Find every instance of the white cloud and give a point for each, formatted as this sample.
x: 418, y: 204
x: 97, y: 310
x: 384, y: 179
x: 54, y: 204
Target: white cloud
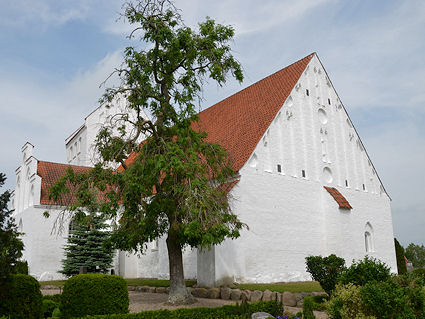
x: 40, y: 13
x: 45, y: 113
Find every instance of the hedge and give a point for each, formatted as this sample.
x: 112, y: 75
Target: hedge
x: 94, y: 294
x: 23, y: 299
x: 228, y: 311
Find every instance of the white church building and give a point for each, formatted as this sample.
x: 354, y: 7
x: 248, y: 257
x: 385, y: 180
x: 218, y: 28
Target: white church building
x: 305, y: 186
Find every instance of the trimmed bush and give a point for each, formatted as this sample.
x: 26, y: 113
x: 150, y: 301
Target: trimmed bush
x: 308, y: 306
x: 94, y: 294
x: 364, y: 271
x: 224, y: 312
x: 325, y: 270
x: 24, y: 298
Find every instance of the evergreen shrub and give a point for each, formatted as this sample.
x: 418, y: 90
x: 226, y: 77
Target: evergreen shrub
x: 24, y: 298
x: 94, y: 294
x: 224, y: 312
x: 399, y: 254
x: 325, y: 270
x: 364, y: 271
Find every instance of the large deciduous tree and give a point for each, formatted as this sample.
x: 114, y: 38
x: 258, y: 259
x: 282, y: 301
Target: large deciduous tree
x: 173, y: 183
x: 416, y: 254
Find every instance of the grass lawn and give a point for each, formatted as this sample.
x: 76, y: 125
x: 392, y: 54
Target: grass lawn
x: 130, y: 282
x: 306, y: 286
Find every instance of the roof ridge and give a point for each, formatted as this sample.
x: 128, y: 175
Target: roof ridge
x: 262, y: 79
x: 64, y: 164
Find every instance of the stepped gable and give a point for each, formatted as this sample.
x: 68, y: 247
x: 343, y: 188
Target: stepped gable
x: 238, y: 122
x: 50, y: 173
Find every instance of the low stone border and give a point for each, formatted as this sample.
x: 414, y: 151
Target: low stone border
x: 288, y: 298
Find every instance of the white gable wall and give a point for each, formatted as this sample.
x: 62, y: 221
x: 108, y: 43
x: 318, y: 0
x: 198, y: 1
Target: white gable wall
x: 291, y: 217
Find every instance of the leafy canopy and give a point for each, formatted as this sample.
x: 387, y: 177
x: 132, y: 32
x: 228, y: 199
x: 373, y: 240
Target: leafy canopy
x: 175, y: 181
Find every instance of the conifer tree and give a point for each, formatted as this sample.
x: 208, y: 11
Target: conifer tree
x: 86, y: 247
x: 11, y: 245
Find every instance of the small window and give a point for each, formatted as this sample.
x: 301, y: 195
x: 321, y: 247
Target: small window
x: 329, y: 101
x: 279, y: 168
x: 364, y: 187
x: 346, y: 183
x: 303, y: 173
x: 307, y: 92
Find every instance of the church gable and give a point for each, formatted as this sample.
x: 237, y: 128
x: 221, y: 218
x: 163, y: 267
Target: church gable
x: 311, y: 137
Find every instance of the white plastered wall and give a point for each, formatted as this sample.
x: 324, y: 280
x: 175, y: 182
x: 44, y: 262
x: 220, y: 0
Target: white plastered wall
x: 291, y: 216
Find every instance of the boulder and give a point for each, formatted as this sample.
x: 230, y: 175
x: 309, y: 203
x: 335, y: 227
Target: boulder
x: 213, y: 293
x: 161, y: 290
x: 235, y: 294
x: 267, y: 295
x: 151, y: 290
x: 288, y: 299
x: 256, y: 295
x: 200, y: 292
x: 261, y: 315
x: 131, y: 288
x: 298, y: 296
x: 275, y: 296
x: 225, y: 293
x: 300, y: 303
x: 246, y: 295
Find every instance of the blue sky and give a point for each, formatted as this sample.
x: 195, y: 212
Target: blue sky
x: 54, y: 55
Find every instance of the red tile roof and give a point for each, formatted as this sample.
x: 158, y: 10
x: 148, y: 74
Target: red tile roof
x: 50, y: 173
x: 238, y: 122
x: 342, y: 202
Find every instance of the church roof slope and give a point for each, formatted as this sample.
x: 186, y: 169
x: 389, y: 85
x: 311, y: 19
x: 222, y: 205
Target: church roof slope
x: 50, y: 173
x: 238, y: 122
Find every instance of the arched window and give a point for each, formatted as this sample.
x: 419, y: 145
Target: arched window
x: 368, y: 238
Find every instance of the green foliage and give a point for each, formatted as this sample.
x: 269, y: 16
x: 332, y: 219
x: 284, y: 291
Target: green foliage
x: 11, y: 245
x: 87, y: 247
x: 56, y: 298
x: 346, y: 303
x: 224, y: 312
x: 325, y: 270
x: 56, y: 313
x: 419, y: 275
x: 391, y: 299
x: 93, y: 294
x: 319, y: 302
x: 21, y: 267
x: 48, y: 307
x: 23, y: 299
x: 308, y: 307
x: 399, y: 253
x: 398, y: 297
x: 167, y: 189
x: 364, y: 271
x: 416, y: 254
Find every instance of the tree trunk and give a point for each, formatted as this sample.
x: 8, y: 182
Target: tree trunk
x: 178, y: 291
